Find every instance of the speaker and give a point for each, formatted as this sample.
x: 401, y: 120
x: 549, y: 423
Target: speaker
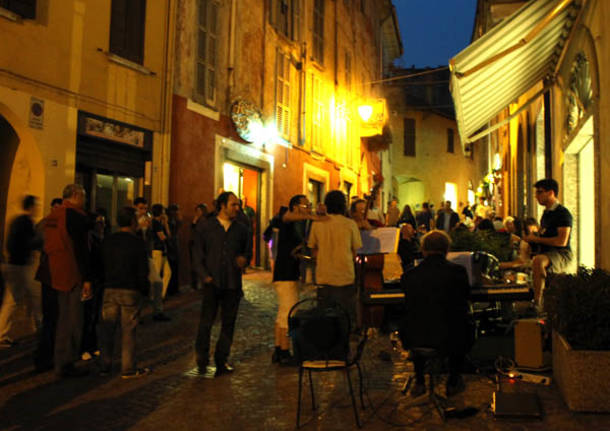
x: 529, y: 343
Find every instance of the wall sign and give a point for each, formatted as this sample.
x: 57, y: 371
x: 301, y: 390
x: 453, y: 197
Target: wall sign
x: 104, y: 128
x: 248, y: 120
x: 36, y: 120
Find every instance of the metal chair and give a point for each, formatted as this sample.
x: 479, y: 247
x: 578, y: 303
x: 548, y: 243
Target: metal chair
x: 320, y: 336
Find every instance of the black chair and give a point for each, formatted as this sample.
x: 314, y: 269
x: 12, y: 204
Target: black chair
x: 434, y: 366
x: 320, y: 335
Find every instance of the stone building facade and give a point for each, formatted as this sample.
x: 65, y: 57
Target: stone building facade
x: 84, y: 97
x: 266, y: 96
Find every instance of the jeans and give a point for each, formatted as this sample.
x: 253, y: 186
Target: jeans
x: 228, y: 302
x: 122, y: 305
x: 19, y: 291
x: 69, y: 330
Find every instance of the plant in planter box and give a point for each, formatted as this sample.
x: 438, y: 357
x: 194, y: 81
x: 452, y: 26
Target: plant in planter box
x: 495, y: 243
x: 578, y: 307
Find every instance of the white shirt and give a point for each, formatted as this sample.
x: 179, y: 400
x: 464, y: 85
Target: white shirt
x: 336, y: 240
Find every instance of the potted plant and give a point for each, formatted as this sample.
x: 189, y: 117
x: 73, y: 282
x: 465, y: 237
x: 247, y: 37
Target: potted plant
x: 578, y: 308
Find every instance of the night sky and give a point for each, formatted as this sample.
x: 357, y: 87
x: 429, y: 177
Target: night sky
x: 433, y: 31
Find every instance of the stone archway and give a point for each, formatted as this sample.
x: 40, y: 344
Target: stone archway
x: 22, y: 169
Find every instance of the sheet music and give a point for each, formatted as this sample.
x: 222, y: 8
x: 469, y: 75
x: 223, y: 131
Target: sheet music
x: 380, y: 240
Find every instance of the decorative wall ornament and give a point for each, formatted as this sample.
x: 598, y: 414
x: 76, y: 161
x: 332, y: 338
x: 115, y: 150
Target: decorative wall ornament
x: 580, y: 92
x: 248, y: 120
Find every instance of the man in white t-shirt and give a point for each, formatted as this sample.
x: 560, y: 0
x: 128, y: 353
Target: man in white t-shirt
x: 334, y: 243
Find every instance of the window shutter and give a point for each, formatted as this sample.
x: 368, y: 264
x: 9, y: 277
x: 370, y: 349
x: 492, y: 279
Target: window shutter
x: 318, y: 31
x: 296, y: 20
x: 118, y: 27
x: 127, y: 23
x: 282, y: 112
x: 409, y: 137
x: 26, y: 9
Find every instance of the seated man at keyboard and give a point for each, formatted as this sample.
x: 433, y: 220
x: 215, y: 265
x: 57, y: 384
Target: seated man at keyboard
x: 436, y: 312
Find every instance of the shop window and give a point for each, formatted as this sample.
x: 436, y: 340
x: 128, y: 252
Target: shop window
x: 207, y: 50
x: 318, y: 31
x: 127, y: 22
x: 450, y: 140
x: 282, y: 95
x: 26, y: 9
x: 409, y: 137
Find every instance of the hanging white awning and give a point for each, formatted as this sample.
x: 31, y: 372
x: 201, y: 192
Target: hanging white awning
x: 508, y: 61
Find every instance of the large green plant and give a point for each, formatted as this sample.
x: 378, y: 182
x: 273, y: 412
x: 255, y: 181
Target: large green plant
x: 495, y: 243
x: 578, y: 307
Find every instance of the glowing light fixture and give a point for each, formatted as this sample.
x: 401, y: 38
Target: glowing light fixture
x: 365, y: 112
x: 497, y: 162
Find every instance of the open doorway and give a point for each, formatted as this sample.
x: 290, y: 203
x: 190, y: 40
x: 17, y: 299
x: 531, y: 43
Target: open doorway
x: 245, y: 182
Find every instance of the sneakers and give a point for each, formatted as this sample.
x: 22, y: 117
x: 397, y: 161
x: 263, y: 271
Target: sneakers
x: 161, y: 317
x: 455, y: 386
x: 224, y: 369
x: 208, y: 373
x: 8, y: 343
x: 140, y: 372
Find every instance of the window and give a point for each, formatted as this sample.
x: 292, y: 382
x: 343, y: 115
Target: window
x: 348, y: 71
x: 318, y: 31
x: 284, y: 16
x: 24, y: 8
x: 409, y: 137
x: 127, y: 22
x: 207, y: 49
x: 317, y: 115
x: 282, y: 95
x: 450, y: 140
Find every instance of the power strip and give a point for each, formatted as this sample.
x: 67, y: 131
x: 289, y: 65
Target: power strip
x: 531, y: 378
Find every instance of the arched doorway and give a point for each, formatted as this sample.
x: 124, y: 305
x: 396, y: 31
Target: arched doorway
x: 9, y: 142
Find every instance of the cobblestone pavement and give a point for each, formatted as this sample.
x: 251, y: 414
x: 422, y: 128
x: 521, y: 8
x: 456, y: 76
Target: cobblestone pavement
x: 258, y: 396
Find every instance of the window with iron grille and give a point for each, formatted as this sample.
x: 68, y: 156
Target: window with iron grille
x: 207, y: 52
x: 282, y: 95
x: 409, y: 137
x: 26, y: 9
x: 450, y: 140
x: 127, y: 22
x: 318, y: 31
x: 285, y: 17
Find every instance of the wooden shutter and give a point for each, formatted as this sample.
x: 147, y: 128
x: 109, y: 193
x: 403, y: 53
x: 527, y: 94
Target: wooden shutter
x: 26, y: 9
x: 282, y: 113
x: 207, y: 52
x: 409, y: 137
x: 127, y: 23
x: 318, y: 31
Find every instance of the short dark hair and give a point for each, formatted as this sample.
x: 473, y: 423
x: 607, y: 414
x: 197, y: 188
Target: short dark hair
x: 29, y: 201
x: 157, y: 210
x: 140, y: 200
x: 294, y: 201
x: 222, y: 199
x: 486, y: 224
x: 126, y: 217
x: 548, y: 184
x: 528, y: 222
x: 352, y: 208
x: 425, y: 205
x: 203, y: 208
x: 436, y: 242
x: 57, y: 201
x: 72, y: 189
x: 335, y: 202
x: 173, y: 208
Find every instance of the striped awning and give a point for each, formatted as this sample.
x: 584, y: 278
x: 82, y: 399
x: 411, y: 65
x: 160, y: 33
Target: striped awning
x: 508, y: 61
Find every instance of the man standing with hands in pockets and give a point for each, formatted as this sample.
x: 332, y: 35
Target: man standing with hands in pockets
x: 222, y: 249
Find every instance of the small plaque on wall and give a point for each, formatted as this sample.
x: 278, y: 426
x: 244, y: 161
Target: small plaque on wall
x: 36, y: 120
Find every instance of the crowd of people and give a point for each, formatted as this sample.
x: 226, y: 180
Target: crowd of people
x: 95, y: 281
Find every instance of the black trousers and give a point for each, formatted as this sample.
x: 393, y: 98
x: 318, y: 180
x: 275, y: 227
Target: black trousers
x: 228, y: 302
x: 43, y: 356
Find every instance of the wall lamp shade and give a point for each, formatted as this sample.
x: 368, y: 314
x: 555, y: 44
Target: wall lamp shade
x: 365, y: 112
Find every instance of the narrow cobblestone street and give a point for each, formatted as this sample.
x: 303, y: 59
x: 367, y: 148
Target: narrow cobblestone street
x: 258, y: 396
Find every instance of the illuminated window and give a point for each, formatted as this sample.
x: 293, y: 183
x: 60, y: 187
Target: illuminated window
x: 282, y: 95
x: 318, y: 31
x: 207, y: 47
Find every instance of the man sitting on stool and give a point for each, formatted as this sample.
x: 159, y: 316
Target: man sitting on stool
x: 436, y: 314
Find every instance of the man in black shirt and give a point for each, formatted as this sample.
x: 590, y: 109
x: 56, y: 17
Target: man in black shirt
x: 222, y: 250
x: 19, y: 287
x: 554, y: 239
x: 125, y: 262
